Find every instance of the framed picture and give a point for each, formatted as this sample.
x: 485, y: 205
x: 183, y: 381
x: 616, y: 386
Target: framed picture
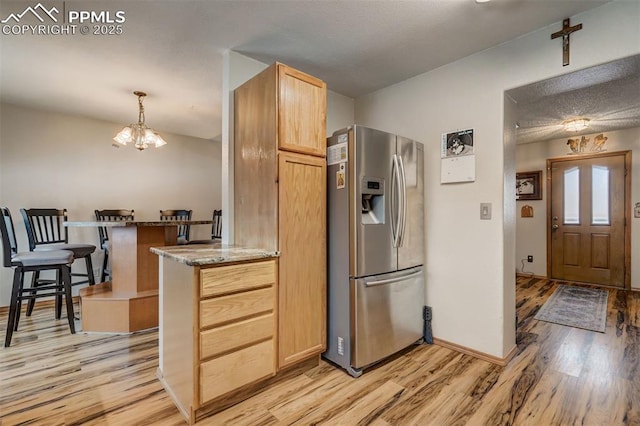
x: 457, y: 144
x: 529, y: 186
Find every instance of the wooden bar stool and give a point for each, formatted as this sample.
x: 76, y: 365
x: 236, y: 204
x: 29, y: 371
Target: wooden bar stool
x: 32, y: 261
x: 45, y: 232
x: 216, y: 230
x: 183, y: 230
x: 109, y: 215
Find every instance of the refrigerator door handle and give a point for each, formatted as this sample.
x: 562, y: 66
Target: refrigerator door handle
x: 392, y: 280
x: 393, y: 199
x: 403, y: 202
x: 396, y: 188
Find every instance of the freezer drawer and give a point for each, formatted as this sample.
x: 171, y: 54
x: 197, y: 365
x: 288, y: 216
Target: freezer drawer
x: 387, y: 313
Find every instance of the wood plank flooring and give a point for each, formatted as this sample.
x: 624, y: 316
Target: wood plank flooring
x: 560, y: 375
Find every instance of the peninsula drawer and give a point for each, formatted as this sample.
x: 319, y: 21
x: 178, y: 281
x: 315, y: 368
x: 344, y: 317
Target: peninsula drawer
x: 235, y: 335
x: 219, y: 310
x: 236, y: 369
x: 234, y: 278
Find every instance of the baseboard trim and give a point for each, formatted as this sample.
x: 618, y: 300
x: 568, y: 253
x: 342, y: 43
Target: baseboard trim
x: 540, y: 277
x: 477, y: 354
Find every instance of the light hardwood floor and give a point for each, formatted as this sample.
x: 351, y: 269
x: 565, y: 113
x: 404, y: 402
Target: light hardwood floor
x: 560, y: 375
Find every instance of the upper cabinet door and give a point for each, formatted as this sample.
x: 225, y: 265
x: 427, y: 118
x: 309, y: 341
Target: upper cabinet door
x: 301, y: 112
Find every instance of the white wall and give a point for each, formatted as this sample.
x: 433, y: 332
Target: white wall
x: 55, y: 160
x: 531, y: 236
x: 466, y: 257
x: 340, y: 112
x: 509, y: 218
x: 531, y: 233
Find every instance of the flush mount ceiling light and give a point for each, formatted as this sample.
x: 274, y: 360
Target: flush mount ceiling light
x: 483, y: 1
x: 138, y: 133
x: 576, y: 124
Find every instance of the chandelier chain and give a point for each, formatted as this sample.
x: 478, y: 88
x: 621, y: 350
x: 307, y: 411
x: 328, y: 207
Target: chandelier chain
x: 139, y: 134
x: 140, y: 109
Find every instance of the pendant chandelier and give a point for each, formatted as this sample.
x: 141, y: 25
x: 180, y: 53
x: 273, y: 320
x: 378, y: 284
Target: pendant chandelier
x: 138, y: 133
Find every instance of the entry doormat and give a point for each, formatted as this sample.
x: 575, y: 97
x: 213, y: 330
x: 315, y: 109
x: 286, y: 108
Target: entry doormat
x: 576, y: 307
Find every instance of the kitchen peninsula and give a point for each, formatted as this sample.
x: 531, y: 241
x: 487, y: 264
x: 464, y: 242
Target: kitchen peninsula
x: 233, y: 320
x: 218, y: 323
x: 129, y: 301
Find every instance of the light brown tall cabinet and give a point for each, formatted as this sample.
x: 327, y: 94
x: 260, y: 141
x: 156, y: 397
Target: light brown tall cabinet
x: 280, y: 197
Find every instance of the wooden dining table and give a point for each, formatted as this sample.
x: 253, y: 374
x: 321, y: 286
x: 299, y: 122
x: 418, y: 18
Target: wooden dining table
x: 129, y: 302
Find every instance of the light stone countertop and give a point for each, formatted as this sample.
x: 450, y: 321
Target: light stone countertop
x: 139, y: 223
x: 211, y: 254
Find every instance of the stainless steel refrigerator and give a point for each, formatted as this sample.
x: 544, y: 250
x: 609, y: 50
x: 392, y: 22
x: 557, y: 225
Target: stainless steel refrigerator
x: 375, y: 221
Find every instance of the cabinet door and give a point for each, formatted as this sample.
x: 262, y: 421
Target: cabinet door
x: 301, y: 112
x: 302, y: 265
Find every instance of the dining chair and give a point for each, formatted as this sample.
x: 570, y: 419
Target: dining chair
x: 45, y: 231
x: 216, y: 230
x: 34, y: 261
x: 109, y: 215
x: 216, y: 227
x: 183, y: 230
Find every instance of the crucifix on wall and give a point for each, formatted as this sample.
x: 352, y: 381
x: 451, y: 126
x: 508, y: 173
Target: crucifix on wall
x: 567, y: 29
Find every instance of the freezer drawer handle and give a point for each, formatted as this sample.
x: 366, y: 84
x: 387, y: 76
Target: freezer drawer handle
x: 392, y: 280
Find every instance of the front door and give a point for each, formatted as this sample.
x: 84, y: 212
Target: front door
x: 587, y: 219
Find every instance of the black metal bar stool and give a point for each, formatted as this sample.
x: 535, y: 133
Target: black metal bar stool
x: 45, y: 231
x: 57, y: 260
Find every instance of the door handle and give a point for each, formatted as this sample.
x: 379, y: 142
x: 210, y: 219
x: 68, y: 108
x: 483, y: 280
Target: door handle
x: 396, y: 185
x: 555, y: 226
x: 403, y: 204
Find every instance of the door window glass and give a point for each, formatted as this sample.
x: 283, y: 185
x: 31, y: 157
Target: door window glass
x: 599, y: 195
x: 572, y: 196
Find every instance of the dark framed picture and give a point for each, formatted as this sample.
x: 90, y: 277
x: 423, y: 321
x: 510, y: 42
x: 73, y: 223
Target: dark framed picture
x: 529, y: 185
x: 457, y: 144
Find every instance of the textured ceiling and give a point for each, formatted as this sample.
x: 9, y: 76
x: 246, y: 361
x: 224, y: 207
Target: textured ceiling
x: 173, y: 50
x: 608, y: 95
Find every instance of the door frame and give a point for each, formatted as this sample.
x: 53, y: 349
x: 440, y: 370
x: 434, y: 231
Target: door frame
x: 627, y: 206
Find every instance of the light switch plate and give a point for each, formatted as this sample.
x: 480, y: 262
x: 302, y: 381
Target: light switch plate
x: 636, y: 211
x: 485, y: 211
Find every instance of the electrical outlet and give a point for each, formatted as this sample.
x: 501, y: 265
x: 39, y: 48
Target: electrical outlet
x: 529, y: 258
